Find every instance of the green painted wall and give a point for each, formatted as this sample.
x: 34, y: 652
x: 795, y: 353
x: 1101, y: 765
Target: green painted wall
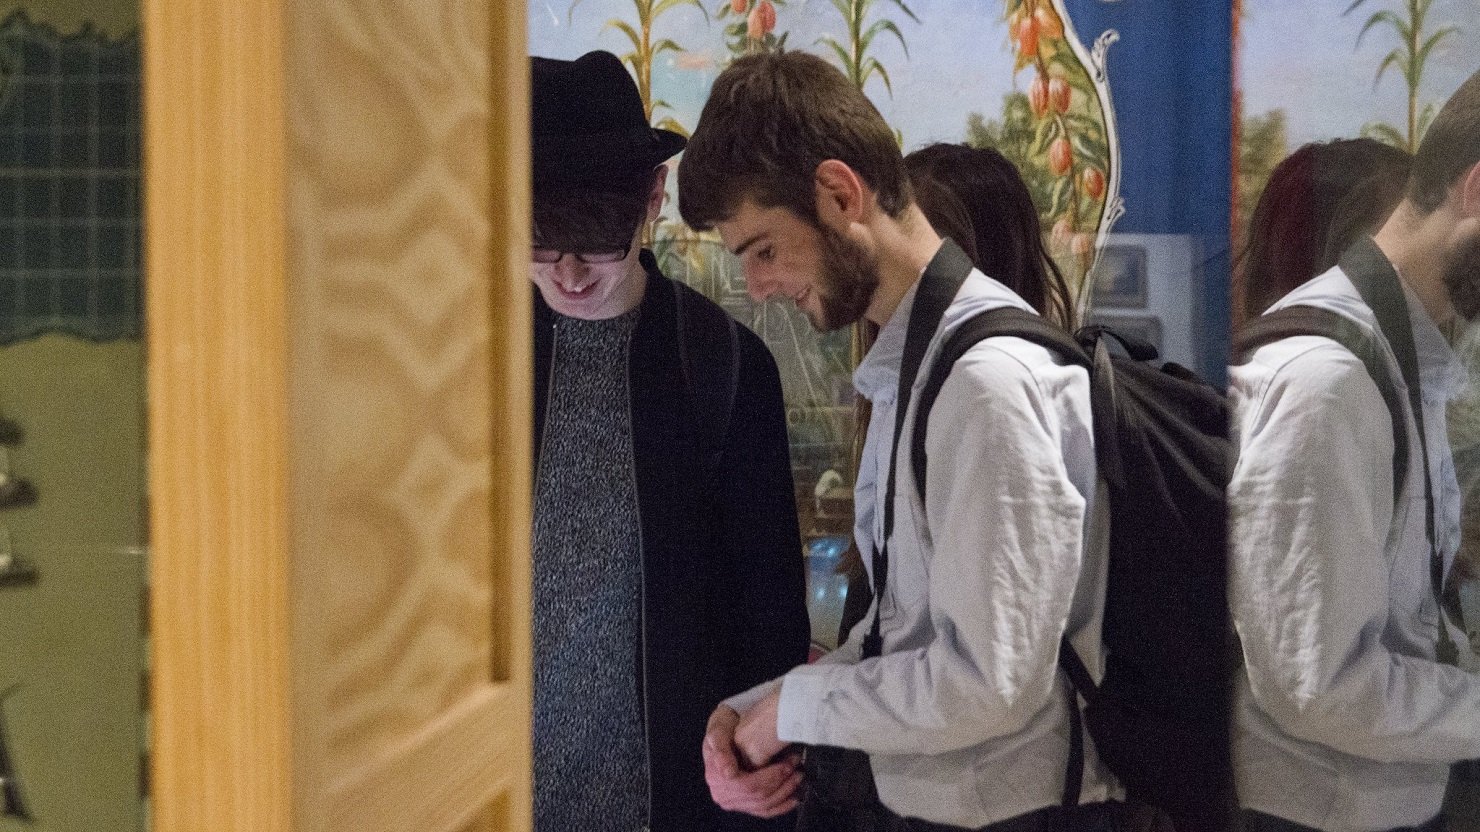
x: 74, y: 641
x: 115, y: 18
x: 82, y: 407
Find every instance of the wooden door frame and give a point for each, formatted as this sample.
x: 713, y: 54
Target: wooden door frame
x: 221, y: 610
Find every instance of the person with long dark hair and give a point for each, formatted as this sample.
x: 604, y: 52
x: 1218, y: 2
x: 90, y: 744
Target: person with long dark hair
x: 1318, y: 201
x: 955, y: 182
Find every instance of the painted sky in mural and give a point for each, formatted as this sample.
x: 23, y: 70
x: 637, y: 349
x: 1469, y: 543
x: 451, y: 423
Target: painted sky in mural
x: 958, y: 53
x: 1305, y: 58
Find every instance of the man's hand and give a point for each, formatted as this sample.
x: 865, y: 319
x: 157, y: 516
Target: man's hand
x: 764, y: 792
x: 756, y: 734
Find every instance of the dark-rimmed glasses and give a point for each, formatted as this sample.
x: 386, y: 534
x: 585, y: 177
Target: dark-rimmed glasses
x: 590, y: 258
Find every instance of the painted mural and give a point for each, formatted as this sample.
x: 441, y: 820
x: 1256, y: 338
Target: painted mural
x: 1011, y: 74
x: 1379, y: 68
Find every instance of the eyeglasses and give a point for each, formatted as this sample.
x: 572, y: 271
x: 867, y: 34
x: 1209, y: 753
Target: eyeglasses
x: 598, y: 257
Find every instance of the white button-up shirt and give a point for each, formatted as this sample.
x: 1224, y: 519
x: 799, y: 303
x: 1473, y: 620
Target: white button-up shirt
x: 1344, y: 721
x: 965, y: 715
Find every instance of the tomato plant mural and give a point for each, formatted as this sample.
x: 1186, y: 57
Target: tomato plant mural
x: 753, y: 28
x: 1069, y: 138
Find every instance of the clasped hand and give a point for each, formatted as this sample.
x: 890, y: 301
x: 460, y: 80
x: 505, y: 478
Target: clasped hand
x: 747, y: 768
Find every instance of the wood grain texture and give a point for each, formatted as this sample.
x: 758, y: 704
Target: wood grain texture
x: 337, y: 210
x: 460, y: 748
x: 495, y: 817
x: 396, y: 393
x: 217, y: 374
x: 388, y: 226
x: 512, y: 357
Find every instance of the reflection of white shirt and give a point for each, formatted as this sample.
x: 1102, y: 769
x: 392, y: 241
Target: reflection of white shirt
x: 965, y: 715
x: 1345, y: 721
x: 1464, y: 439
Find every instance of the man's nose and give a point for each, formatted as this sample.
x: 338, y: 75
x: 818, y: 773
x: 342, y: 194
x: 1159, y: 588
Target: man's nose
x: 569, y: 266
x: 759, y: 288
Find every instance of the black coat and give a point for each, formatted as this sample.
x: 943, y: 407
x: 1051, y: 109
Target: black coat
x: 725, y: 592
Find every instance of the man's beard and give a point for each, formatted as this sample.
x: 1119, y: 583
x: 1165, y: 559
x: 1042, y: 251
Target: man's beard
x: 850, y: 275
x: 1462, y: 281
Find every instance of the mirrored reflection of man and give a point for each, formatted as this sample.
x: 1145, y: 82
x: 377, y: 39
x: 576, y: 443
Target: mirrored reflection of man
x: 1351, y: 709
x: 667, y: 558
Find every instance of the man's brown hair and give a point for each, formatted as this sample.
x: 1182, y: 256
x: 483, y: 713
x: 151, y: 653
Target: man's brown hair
x: 770, y: 120
x: 1449, y: 148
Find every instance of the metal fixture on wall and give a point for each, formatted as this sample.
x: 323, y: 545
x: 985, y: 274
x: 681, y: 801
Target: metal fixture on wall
x: 15, y: 492
x: 10, y: 432
x: 14, y: 569
x: 12, y: 803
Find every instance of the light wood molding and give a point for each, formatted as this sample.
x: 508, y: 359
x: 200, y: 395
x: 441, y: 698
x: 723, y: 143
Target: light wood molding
x: 406, y: 367
x: 218, y: 561
x: 511, y: 299
x: 337, y: 220
x: 459, y: 748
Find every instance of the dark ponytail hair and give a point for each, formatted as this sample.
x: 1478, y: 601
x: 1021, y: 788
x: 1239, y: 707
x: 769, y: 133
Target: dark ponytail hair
x: 1000, y: 220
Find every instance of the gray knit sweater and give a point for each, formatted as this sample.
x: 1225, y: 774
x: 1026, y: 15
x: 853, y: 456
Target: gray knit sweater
x: 590, y: 755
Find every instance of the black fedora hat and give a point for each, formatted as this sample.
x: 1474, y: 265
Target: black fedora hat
x: 587, y: 121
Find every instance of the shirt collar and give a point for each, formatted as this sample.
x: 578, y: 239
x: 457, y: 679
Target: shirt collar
x: 877, y: 375
x: 1440, y: 369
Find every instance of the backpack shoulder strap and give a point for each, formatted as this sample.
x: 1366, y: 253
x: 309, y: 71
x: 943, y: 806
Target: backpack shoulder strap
x: 1378, y: 284
x: 708, y: 339
x: 1004, y: 321
x: 1018, y: 323
x: 937, y: 287
x: 1295, y: 321
x: 1381, y: 288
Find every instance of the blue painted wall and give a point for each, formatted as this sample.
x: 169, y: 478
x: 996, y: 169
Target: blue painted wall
x: 1171, y: 82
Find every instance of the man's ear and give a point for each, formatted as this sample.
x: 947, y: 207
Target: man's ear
x: 657, y: 194
x: 1469, y: 192
x: 842, y: 198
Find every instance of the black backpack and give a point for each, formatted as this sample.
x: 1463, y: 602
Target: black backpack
x: 1160, y: 716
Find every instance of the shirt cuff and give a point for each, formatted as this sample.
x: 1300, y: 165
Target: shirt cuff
x: 799, y: 713
x: 745, y: 700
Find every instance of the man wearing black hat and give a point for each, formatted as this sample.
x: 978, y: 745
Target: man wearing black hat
x: 667, y: 562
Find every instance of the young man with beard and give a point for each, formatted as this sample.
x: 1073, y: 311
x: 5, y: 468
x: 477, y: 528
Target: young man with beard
x: 667, y: 559
x: 1350, y: 710
x: 960, y: 706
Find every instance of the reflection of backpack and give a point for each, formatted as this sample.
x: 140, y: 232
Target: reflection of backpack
x: 1159, y: 717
